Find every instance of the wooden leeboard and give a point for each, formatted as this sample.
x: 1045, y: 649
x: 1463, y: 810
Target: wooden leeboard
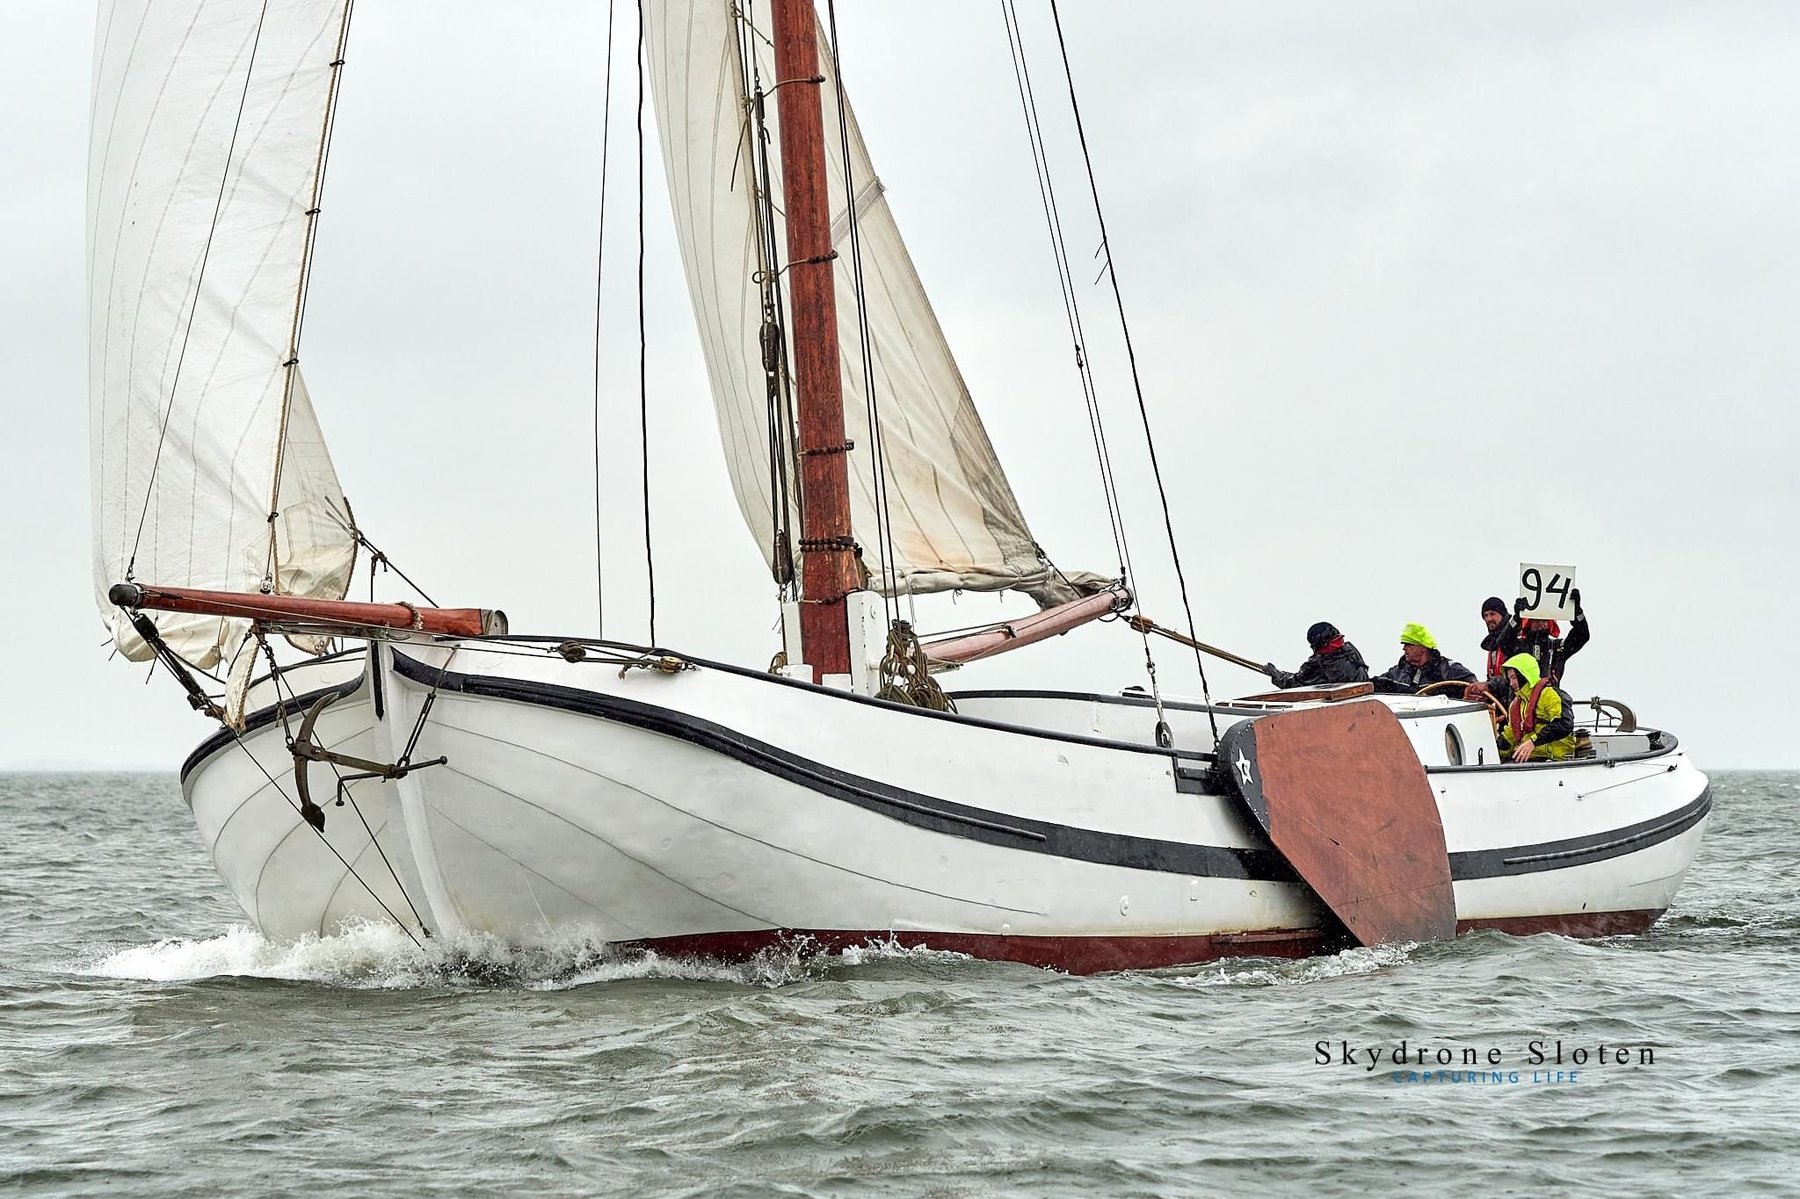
x: 1344, y: 798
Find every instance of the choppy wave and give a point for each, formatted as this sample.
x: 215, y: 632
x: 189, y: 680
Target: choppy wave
x: 158, y: 1047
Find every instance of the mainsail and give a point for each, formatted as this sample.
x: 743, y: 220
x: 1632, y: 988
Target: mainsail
x: 209, y: 468
x: 955, y: 522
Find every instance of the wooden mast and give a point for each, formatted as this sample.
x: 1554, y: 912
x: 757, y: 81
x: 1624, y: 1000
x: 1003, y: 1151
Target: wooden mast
x: 828, y: 566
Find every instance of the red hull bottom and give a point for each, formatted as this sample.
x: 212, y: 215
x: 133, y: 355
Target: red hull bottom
x: 1094, y: 955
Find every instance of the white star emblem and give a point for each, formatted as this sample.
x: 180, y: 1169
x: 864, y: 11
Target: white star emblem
x: 1243, y: 765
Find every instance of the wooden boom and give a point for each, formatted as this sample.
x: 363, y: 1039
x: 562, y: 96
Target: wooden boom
x: 1051, y: 622
x: 293, y: 609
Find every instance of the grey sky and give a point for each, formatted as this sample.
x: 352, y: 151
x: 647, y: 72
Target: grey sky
x: 1418, y: 291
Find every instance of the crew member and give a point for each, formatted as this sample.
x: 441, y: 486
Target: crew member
x: 1420, y: 665
x: 1509, y: 634
x: 1503, y: 640
x: 1333, y: 660
x: 1539, y: 727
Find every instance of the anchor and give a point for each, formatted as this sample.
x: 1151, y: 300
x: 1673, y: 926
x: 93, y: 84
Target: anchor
x: 306, y: 750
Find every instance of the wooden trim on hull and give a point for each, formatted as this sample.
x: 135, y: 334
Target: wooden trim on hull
x: 1096, y: 955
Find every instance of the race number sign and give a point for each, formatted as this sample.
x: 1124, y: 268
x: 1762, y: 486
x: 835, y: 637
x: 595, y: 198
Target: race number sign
x: 1547, y: 591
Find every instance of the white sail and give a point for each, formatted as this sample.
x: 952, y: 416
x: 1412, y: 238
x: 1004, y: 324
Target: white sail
x: 209, y: 469
x: 955, y: 521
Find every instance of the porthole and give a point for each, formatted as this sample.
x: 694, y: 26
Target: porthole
x: 1453, y: 745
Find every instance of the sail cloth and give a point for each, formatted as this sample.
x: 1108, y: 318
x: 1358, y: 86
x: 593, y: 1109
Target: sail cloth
x: 209, y: 469
x: 955, y: 521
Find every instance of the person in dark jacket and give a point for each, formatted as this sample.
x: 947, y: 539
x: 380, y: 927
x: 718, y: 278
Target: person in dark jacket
x: 1420, y: 665
x: 1333, y: 660
x: 1502, y: 640
x: 1510, y: 634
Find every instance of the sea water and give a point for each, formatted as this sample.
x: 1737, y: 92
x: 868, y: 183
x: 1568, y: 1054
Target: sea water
x: 151, y: 1044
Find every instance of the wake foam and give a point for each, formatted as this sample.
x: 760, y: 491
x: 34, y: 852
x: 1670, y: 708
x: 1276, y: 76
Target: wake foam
x: 1265, y: 972
x: 382, y: 956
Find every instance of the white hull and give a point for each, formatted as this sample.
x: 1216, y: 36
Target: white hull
x: 716, y: 810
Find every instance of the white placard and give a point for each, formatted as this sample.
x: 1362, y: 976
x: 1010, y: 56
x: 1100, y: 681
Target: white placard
x: 1547, y: 591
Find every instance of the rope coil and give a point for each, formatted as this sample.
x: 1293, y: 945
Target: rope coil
x: 906, y: 672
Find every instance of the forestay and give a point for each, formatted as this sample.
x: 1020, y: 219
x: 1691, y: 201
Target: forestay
x: 209, y: 469
x: 955, y: 521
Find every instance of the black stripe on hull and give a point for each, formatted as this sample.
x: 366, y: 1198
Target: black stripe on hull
x: 909, y: 807
x: 1016, y: 832
x: 262, y: 717
x: 1580, y: 851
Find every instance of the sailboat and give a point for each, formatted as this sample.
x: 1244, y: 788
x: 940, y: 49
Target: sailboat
x: 426, y: 767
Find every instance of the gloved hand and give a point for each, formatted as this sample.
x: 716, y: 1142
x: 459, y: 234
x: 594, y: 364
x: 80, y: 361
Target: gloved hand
x: 1518, y: 605
x: 1575, y: 595
x: 1278, y: 676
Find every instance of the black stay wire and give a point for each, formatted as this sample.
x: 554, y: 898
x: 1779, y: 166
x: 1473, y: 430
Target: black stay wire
x: 643, y: 362
x: 884, y: 512
x: 343, y: 788
x: 599, y: 279
x: 1131, y: 356
x: 324, y: 160
x: 291, y: 366
x: 1065, y: 274
x: 282, y: 709
x: 1066, y: 279
x: 777, y: 370
x: 379, y: 559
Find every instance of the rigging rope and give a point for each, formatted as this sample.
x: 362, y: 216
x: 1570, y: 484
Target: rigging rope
x: 778, y: 391
x: 272, y: 559
x: 599, y: 279
x: 377, y: 558
x: 312, y: 227
x: 1065, y: 279
x: 1136, y: 382
x: 643, y: 358
x: 281, y: 711
x: 878, y: 473
x: 343, y: 788
x: 906, y: 672
x: 349, y: 869
x: 1083, y: 363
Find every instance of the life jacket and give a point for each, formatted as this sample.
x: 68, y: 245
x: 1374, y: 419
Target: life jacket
x: 1521, y: 716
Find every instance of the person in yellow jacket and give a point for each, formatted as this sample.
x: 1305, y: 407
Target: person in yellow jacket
x: 1538, y: 726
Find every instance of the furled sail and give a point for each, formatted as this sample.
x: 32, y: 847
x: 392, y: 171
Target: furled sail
x: 209, y: 469
x: 954, y: 519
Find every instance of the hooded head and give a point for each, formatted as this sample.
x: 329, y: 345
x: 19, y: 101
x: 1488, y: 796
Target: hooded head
x: 1526, y: 667
x: 1321, y: 634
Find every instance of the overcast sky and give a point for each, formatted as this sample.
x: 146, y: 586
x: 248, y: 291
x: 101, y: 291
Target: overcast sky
x: 1418, y: 291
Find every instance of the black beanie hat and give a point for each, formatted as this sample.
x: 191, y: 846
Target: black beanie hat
x: 1494, y: 603
x: 1319, y: 634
